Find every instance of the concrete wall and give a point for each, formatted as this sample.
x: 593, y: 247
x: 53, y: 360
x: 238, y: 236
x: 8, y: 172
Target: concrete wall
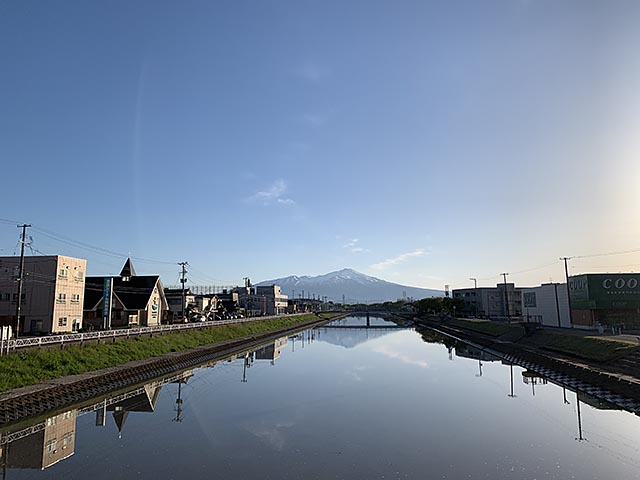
x: 545, y: 311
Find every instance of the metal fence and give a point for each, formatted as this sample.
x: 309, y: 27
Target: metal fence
x: 49, y: 340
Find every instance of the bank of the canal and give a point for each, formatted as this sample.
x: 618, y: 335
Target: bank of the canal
x: 21, y: 369
x: 597, y: 362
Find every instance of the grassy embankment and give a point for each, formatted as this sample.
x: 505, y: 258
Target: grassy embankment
x: 592, y: 348
x: 35, y: 366
x: 597, y: 349
x: 485, y: 327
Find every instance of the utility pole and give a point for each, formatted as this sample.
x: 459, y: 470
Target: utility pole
x: 555, y: 286
x: 183, y: 281
x: 566, y: 276
x: 475, y: 292
x: 23, y: 238
x: 506, y: 297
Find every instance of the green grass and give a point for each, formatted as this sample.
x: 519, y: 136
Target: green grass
x: 589, y: 348
x: 35, y: 366
x: 486, y: 327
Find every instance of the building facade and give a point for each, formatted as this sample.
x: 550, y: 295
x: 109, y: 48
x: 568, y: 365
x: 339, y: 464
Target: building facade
x: 128, y: 300
x: 492, y: 302
x: 605, y: 300
x: 262, y: 300
x: 274, y: 301
x: 547, y: 305
x: 52, y: 293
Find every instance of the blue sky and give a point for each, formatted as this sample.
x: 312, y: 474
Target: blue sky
x: 420, y: 142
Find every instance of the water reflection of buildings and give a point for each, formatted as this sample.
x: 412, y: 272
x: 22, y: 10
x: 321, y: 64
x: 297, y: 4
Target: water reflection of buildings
x: 469, y: 351
x: 49, y: 444
x: 144, y: 402
x: 271, y: 351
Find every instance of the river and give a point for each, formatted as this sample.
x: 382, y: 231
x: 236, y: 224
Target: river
x: 339, y: 402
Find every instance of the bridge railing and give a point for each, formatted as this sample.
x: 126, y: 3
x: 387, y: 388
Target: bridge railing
x: 48, y: 340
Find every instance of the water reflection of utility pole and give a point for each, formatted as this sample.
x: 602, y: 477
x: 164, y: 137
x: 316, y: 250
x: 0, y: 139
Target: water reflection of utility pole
x: 179, y: 403
x: 244, y: 368
x: 450, y: 349
x: 479, y: 368
x: 580, y: 437
x: 512, y: 395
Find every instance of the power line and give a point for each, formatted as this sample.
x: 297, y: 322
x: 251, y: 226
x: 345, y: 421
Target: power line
x: 605, y: 254
x: 92, y: 248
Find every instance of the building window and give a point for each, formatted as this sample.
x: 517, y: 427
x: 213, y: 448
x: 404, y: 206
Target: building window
x: 15, y: 297
x: 62, y: 321
x: 51, y: 445
x: 75, y: 298
x: 79, y: 276
x: 62, y: 298
x: 63, y: 273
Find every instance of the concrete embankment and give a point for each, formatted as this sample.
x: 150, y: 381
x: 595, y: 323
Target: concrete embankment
x: 54, y: 395
x: 622, y: 389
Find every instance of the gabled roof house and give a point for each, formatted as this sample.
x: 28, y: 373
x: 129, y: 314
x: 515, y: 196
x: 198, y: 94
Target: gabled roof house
x: 136, y: 300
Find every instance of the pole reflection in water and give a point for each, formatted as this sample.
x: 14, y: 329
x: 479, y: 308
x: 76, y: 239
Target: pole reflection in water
x: 580, y: 438
x: 511, y: 394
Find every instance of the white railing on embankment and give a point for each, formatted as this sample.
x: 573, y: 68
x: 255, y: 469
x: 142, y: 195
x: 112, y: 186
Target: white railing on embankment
x: 14, y: 344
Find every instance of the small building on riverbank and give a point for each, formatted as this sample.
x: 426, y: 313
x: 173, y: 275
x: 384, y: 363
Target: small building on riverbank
x: 547, y: 305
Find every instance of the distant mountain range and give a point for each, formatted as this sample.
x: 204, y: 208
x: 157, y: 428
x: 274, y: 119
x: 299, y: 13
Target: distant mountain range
x: 355, y: 286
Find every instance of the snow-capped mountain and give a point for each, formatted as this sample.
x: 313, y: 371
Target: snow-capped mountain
x: 355, y: 286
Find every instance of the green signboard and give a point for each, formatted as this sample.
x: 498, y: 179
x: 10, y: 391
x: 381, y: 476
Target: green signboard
x: 529, y: 299
x: 610, y: 291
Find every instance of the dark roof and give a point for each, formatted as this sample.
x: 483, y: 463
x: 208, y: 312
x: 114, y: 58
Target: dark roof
x: 128, y: 270
x: 134, y: 292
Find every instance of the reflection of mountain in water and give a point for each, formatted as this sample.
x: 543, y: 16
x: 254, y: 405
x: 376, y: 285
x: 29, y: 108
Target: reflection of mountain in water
x: 351, y: 337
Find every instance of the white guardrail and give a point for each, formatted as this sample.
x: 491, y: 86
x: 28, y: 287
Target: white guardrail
x: 12, y: 345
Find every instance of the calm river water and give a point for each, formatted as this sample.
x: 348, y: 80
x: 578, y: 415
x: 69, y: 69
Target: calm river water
x: 340, y: 402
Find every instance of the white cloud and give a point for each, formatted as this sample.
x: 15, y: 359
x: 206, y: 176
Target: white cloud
x: 389, y: 353
x: 351, y: 243
x: 399, y: 259
x: 352, y: 246
x: 273, y: 194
